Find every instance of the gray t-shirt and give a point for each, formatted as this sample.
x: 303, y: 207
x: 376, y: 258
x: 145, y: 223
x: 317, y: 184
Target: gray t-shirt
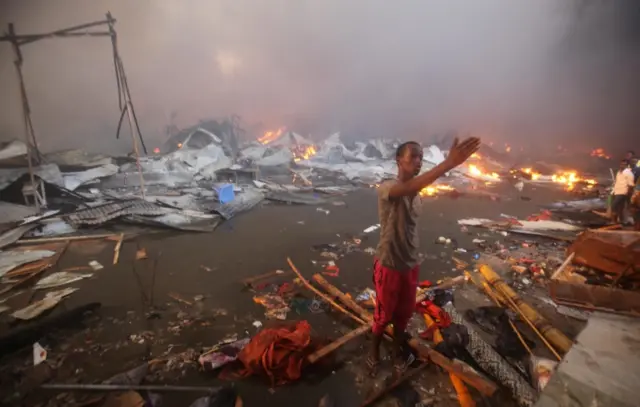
x: 398, y: 247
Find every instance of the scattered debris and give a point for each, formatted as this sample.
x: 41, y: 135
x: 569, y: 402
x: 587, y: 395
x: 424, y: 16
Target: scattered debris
x: 39, y: 354
x: 222, y: 353
x: 95, y: 265
x: 141, y: 254
x: 59, y: 278
x: 50, y: 300
x: 276, y: 307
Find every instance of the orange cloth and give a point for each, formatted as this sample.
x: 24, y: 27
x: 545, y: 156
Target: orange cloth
x: 278, y: 353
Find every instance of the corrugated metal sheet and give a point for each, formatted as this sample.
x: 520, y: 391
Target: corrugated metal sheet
x: 104, y: 213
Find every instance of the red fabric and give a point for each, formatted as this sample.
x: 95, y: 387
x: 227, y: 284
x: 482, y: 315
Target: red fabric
x: 395, y: 296
x: 544, y: 215
x: 278, y: 353
x: 439, y: 316
x: 331, y: 271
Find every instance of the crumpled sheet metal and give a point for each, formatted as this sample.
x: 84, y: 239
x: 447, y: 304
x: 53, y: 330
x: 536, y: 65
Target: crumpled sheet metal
x: 48, y: 172
x: 244, y: 201
x: 295, y: 198
x: 579, y: 205
x: 16, y: 258
x: 181, y: 221
x: 73, y: 180
x: 104, y: 213
x: 132, y: 179
x: 11, y: 236
x: 10, y: 212
x: 77, y: 158
x: 280, y: 157
x: 12, y: 149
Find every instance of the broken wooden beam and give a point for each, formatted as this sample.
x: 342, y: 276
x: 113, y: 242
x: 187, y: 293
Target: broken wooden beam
x: 324, y: 351
x: 116, y: 250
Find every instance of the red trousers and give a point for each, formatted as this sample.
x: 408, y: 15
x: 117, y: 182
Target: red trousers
x: 395, y: 296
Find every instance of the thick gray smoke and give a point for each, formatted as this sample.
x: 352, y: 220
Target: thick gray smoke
x: 546, y: 70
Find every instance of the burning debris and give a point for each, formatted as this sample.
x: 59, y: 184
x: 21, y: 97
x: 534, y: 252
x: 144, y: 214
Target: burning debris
x: 533, y: 174
x: 600, y: 153
x: 476, y: 172
x: 433, y: 190
x: 270, y: 136
x: 571, y: 178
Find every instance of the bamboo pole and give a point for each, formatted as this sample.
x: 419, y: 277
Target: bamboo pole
x: 323, y: 295
x: 551, y: 334
x: 487, y: 289
x: 470, y: 376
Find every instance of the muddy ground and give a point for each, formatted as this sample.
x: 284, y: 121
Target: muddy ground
x: 193, y: 282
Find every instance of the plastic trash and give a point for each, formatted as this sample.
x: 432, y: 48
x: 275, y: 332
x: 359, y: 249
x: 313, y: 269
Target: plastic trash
x: 225, y: 193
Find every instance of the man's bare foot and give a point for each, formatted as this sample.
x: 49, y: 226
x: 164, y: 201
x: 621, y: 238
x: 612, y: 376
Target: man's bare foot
x: 373, y: 365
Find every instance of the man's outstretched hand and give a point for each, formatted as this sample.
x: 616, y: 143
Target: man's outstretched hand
x: 461, y: 151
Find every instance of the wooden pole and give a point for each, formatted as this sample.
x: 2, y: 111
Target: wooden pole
x: 324, y: 351
x: 470, y: 376
x: 116, y: 250
x: 127, y: 100
x: 28, y: 130
x: 563, y: 266
x: 553, y: 335
x: 63, y: 239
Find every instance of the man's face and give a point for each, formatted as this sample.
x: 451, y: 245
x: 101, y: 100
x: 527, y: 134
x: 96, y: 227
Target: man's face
x: 629, y: 156
x: 623, y: 165
x: 410, y: 162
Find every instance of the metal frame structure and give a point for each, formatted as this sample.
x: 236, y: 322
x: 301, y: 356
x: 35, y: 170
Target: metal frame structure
x: 124, y: 95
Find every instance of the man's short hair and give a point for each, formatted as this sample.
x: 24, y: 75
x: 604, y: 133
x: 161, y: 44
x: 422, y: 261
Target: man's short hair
x: 404, y: 146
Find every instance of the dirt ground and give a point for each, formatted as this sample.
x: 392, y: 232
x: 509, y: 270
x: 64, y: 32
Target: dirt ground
x: 193, y: 282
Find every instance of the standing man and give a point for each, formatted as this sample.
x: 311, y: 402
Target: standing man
x: 396, y: 263
x: 622, y: 188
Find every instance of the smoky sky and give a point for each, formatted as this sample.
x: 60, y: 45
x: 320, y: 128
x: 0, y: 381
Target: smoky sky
x: 528, y: 72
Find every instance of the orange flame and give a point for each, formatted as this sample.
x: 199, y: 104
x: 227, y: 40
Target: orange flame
x: 476, y: 171
x: 305, y: 154
x: 432, y: 190
x: 599, y: 152
x: 534, y: 175
x: 571, y: 178
x: 270, y: 136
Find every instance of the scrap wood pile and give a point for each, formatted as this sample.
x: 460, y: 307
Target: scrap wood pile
x: 591, y: 269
